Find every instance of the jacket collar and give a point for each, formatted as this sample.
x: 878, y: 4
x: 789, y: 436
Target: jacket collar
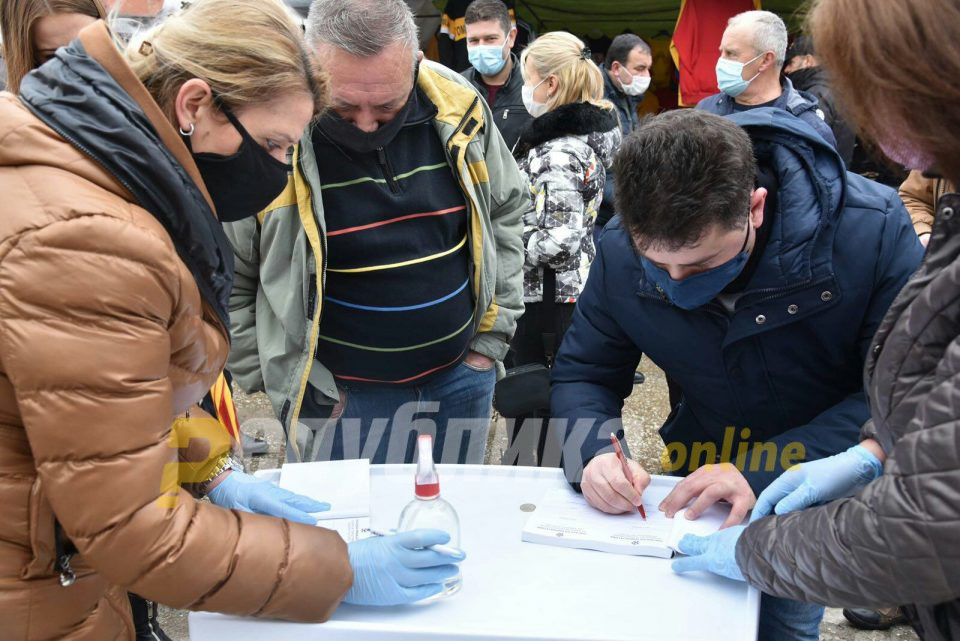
x: 453, y: 100
x: 574, y: 119
x: 89, y: 96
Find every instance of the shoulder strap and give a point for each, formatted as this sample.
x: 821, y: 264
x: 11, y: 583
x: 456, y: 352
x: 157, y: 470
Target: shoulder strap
x: 548, y: 313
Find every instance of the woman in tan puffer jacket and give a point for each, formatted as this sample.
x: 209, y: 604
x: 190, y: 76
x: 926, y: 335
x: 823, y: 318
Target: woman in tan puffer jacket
x: 114, y: 278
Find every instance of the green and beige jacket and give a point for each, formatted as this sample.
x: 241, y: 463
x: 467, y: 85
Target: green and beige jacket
x: 277, y: 297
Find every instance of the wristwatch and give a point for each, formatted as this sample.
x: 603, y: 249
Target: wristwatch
x: 228, y: 462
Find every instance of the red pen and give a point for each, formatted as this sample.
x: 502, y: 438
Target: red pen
x: 626, y: 469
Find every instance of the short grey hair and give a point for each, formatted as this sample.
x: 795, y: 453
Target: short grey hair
x: 769, y: 32
x: 362, y: 28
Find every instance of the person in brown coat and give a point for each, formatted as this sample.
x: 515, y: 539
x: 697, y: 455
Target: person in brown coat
x: 893, y: 539
x: 921, y: 196
x: 114, y: 281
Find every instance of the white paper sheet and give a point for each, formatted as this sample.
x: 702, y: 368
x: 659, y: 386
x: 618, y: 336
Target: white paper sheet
x: 345, y: 485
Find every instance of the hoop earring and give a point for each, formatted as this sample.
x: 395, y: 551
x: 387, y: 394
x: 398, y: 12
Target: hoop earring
x: 189, y: 133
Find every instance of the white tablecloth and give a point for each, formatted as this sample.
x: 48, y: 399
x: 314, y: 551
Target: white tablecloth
x: 520, y: 591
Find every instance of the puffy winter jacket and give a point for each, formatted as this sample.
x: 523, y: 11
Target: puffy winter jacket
x: 114, y: 281
x: 565, y: 154
x: 896, y: 541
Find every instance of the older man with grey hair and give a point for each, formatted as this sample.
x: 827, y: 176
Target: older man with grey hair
x: 752, y: 53
x: 375, y: 298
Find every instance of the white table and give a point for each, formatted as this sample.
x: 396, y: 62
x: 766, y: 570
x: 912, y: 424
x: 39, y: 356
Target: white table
x: 520, y: 591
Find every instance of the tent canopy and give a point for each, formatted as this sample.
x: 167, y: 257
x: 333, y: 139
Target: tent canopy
x: 611, y: 17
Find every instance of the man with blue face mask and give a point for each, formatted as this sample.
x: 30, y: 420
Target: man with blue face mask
x: 752, y: 53
x: 495, y: 71
x: 751, y: 268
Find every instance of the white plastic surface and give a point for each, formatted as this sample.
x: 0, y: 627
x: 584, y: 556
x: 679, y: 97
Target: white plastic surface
x: 521, y: 591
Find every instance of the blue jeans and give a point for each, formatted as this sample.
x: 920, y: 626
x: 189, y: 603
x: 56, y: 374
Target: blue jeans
x: 787, y: 620
x: 381, y: 423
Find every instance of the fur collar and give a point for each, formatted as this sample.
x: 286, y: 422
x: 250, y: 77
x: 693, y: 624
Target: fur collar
x: 574, y: 119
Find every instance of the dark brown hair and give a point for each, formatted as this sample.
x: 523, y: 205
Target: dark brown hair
x: 682, y: 174
x: 895, y: 65
x: 17, y: 18
x: 488, y: 11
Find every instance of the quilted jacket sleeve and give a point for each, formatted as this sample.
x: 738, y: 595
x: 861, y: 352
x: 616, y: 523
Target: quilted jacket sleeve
x: 244, y: 360
x: 893, y: 543
x: 87, y: 310
x: 592, y: 375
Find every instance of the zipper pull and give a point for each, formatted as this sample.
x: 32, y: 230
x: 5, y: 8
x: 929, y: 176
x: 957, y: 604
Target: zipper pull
x: 67, y: 576
x: 506, y: 112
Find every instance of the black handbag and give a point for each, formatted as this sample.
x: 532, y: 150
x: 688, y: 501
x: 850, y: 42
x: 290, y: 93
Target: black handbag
x: 525, y: 390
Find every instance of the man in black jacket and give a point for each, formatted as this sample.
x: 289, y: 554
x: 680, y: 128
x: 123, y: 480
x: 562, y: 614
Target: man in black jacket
x: 495, y: 71
x: 805, y: 72
x: 626, y: 76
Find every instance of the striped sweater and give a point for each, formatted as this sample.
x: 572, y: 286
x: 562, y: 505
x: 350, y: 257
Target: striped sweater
x: 398, y: 306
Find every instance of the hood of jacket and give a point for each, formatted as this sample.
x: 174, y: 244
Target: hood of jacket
x: 596, y: 126
x: 798, y: 101
x: 79, y: 99
x: 811, y: 180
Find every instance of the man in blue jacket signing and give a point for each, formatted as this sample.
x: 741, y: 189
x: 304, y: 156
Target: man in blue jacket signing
x: 750, y: 267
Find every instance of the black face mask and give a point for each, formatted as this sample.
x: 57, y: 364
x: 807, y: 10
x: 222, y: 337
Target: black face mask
x: 242, y: 184
x: 349, y: 136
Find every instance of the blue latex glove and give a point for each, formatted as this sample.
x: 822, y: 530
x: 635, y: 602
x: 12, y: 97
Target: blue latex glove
x: 239, y: 491
x: 716, y: 553
x: 818, y: 482
x: 397, y: 569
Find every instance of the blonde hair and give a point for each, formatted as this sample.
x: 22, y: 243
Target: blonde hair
x: 248, y: 51
x: 564, y: 56
x: 17, y: 19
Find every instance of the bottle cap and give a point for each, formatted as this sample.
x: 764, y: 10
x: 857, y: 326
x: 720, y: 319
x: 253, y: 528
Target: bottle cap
x: 427, y: 482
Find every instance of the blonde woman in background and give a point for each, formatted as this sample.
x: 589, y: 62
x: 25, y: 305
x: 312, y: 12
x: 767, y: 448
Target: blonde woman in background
x: 34, y: 29
x: 114, y: 280
x: 565, y: 153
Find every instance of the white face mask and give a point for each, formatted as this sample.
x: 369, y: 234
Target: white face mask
x: 535, y: 108
x: 637, y: 86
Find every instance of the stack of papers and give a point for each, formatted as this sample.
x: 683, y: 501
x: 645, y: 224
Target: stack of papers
x: 345, y: 485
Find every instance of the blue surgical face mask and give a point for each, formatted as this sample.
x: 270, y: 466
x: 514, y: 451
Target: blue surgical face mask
x: 697, y: 290
x: 487, y: 59
x: 730, y: 76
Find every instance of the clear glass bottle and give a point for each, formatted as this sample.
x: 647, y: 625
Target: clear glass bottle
x: 429, y: 510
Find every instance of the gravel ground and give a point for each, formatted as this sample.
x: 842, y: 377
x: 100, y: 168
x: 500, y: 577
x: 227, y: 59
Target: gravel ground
x: 644, y: 412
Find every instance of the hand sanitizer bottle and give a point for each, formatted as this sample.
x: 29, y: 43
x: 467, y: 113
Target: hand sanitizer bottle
x: 429, y: 510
